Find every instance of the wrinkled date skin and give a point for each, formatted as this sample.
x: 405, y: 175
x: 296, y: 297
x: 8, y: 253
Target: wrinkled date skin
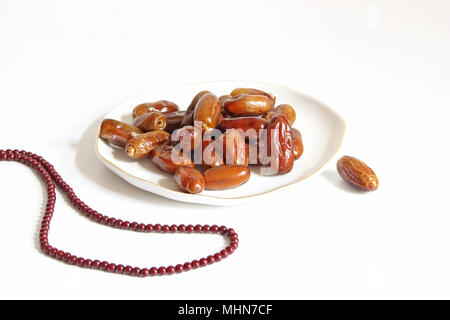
x: 279, y: 142
x: 233, y: 148
x: 248, y: 105
x: 297, y: 143
x: 174, y: 120
x: 226, y: 177
x: 288, y: 112
x: 187, y: 138
x: 238, y: 91
x: 117, y: 132
x: 163, y: 106
x: 244, y: 123
x: 167, y: 161
x: 357, y: 173
x: 210, y: 156
x: 188, y: 118
x: 151, y: 121
x: 140, y: 146
x: 207, y: 111
x: 189, y: 180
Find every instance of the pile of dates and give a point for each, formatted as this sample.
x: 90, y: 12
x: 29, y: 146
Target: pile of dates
x: 212, y: 143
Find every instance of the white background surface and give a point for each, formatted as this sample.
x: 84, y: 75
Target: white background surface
x: 383, y: 65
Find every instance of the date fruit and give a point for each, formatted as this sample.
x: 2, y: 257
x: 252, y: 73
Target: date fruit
x: 189, y: 179
x: 231, y: 146
x: 288, y: 112
x: 117, y: 132
x: 207, y: 111
x: 238, y: 91
x: 151, y: 121
x: 169, y: 161
x: 357, y: 173
x: 140, y: 146
x: 187, y: 138
x: 174, y: 120
x: 279, y: 145
x: 297, y: 143
x: 248, y: 105
x: 188, y: 118
x: 244, y: 123
x: 163, y: 106
x: 226, y: 177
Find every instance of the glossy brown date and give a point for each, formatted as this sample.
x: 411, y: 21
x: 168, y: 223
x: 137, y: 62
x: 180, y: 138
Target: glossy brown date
x: 226, y: 177
x: 140, y: 146
x: 238, y: 91
x: 151, y: 121
x: 169, y: 161
x: 188, y: 118
x: 117, y: 132
x: 163, y: 106
x: 210, y: 156
x: 357, y: 173
x: 174, y: 120
x: 232, y: 148
x: 207, y: 111
x: 248, y: 105
x: 189, y: 180
x: 244, y: 123
x: 187, y: 138
x: 279, y: 144
x: 288, y: 112
x: 297, y: 143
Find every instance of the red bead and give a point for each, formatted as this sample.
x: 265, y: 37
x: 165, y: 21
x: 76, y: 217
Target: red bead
x: 190, y: 228
x: 187, y: 266
x: 230, y: 231
x: 222, y: 229
x: 224, y: 253
x: 120, y: 268
x: 162, y: 271
x: 195, y: 264
x: 158, y: 227
x: 210, y: 259
x: 98, y: 217
x: 206, y: 228
x: 153, y: 271
x: 60, y: 254
x: 48, y: 248
x: 165, y: 228
x: 96, y: 264
x: 178, y: 268
x: 128, y: 269
x: 134, y: 225
x: 182, y: 228
x: 126, y: 225
x: 73, y: 259
x: 112, y: 267
x: 203, y: 262
x: 104, y: 265
x: 144, y: 272
x: 217, y: 257
x: 141, y: 227
x: 136, y: 271
x: 149, y: 228
x: 230, y: 249
x: 198, y: 228
x: 214, y: 228
x: 234, y: 245
x: 112, y: 221
x: 173, y: 228
x: 118, y: 223
x: 170, y: 270
x: 105, y: 220
x: 80, y: 262
x: 88, y: 263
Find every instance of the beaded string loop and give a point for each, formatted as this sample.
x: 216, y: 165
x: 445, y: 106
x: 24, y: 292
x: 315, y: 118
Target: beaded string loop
x: 52, y: 178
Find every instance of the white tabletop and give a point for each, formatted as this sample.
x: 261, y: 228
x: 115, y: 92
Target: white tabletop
x: 383, y: 65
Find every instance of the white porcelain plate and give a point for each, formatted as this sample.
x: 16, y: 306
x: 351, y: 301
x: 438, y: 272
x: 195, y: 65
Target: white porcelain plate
x: 321, y: 127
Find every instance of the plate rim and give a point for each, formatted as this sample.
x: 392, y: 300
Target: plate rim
x: 341, y: 139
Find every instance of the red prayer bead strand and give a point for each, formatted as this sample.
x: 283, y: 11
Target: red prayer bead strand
x: 52, y: 179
